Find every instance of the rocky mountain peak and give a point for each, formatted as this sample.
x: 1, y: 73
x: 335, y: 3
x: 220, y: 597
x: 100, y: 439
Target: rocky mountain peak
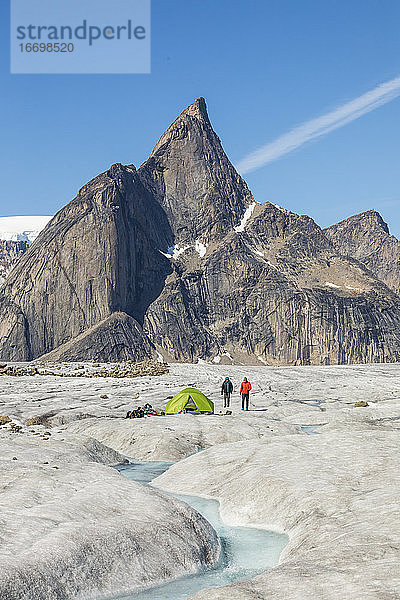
x: 198, y: 109
x: 192, y: 178
x: 176, y: 258
x: 193, y: 119
x: 366, y: 238
x: 117, y: 169
x: 374, y: 218
x: 368, y: 225
x: 368, y: 220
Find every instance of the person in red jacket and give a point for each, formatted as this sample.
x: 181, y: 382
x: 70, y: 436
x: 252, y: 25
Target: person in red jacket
x: 245, y: 391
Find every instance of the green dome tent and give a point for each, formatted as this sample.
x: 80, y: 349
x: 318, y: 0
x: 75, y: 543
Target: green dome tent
x: 189, y: 400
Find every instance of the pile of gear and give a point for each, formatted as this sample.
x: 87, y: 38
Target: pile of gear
x: 146, y: 411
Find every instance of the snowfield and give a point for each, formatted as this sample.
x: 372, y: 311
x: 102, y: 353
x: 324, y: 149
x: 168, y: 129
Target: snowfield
x: 81, y: 530
x: 72, y: 527
x: 335, y: 495
x: 25, y: 229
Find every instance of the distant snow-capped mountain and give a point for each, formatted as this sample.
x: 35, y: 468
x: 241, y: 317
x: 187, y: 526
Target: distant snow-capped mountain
x: 10, y: 253
x: 22, y: 229
x: 16, y: 235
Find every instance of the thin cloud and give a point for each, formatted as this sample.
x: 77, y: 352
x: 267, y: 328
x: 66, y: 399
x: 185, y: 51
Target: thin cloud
x: 383, y: 93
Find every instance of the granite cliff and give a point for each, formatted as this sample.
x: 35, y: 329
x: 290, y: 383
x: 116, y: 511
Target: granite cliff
x: 10, y: 252
x: 177, y: 258
x: 366, y: 237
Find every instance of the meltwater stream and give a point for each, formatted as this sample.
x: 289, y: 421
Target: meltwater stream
x: 246, y: 551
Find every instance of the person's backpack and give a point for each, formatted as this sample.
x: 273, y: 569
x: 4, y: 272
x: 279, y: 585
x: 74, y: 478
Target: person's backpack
x: 227, y: 386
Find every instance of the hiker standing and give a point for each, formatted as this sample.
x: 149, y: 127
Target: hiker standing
x: 226, y: 391
x: 245, y: 391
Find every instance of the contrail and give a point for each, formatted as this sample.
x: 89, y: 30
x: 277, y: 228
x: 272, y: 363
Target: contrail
x: 310, y: 130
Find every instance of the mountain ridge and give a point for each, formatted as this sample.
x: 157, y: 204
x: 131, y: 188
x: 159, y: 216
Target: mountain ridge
x: 179, y: 255
x: 192, y: 178
x: 366, y: 238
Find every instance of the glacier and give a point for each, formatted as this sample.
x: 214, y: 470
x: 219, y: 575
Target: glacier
x: 22, y: 228
x: 333, y: 489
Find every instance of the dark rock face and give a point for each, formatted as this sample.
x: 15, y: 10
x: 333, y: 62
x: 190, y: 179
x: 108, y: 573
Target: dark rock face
x: 117, y: 338
x: 191, y: 177
x: 10, y: 253
x: 366, y: 238
x: 177, y: 258
x: 97, y: 256
x: 277, y: 292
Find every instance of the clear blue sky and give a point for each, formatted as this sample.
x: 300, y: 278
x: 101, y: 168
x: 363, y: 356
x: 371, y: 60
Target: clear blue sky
x: 263, y: 66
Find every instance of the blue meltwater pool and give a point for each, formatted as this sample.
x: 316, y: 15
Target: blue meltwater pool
x: 246, y: 551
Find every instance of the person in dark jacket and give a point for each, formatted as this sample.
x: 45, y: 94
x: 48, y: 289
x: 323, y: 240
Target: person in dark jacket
x: 245, y: 391
x: 226, y: 391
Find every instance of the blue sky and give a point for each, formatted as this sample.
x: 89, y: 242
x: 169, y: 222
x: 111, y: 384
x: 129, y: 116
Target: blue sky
x: 263, y: 67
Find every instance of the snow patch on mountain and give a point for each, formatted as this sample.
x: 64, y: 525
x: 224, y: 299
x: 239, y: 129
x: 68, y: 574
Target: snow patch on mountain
x: 175, y: 251
x: 332, y: 285
x: 248, y: 212
x: 200, y: 248
x: 22, y: 228
x: 258, y: 252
